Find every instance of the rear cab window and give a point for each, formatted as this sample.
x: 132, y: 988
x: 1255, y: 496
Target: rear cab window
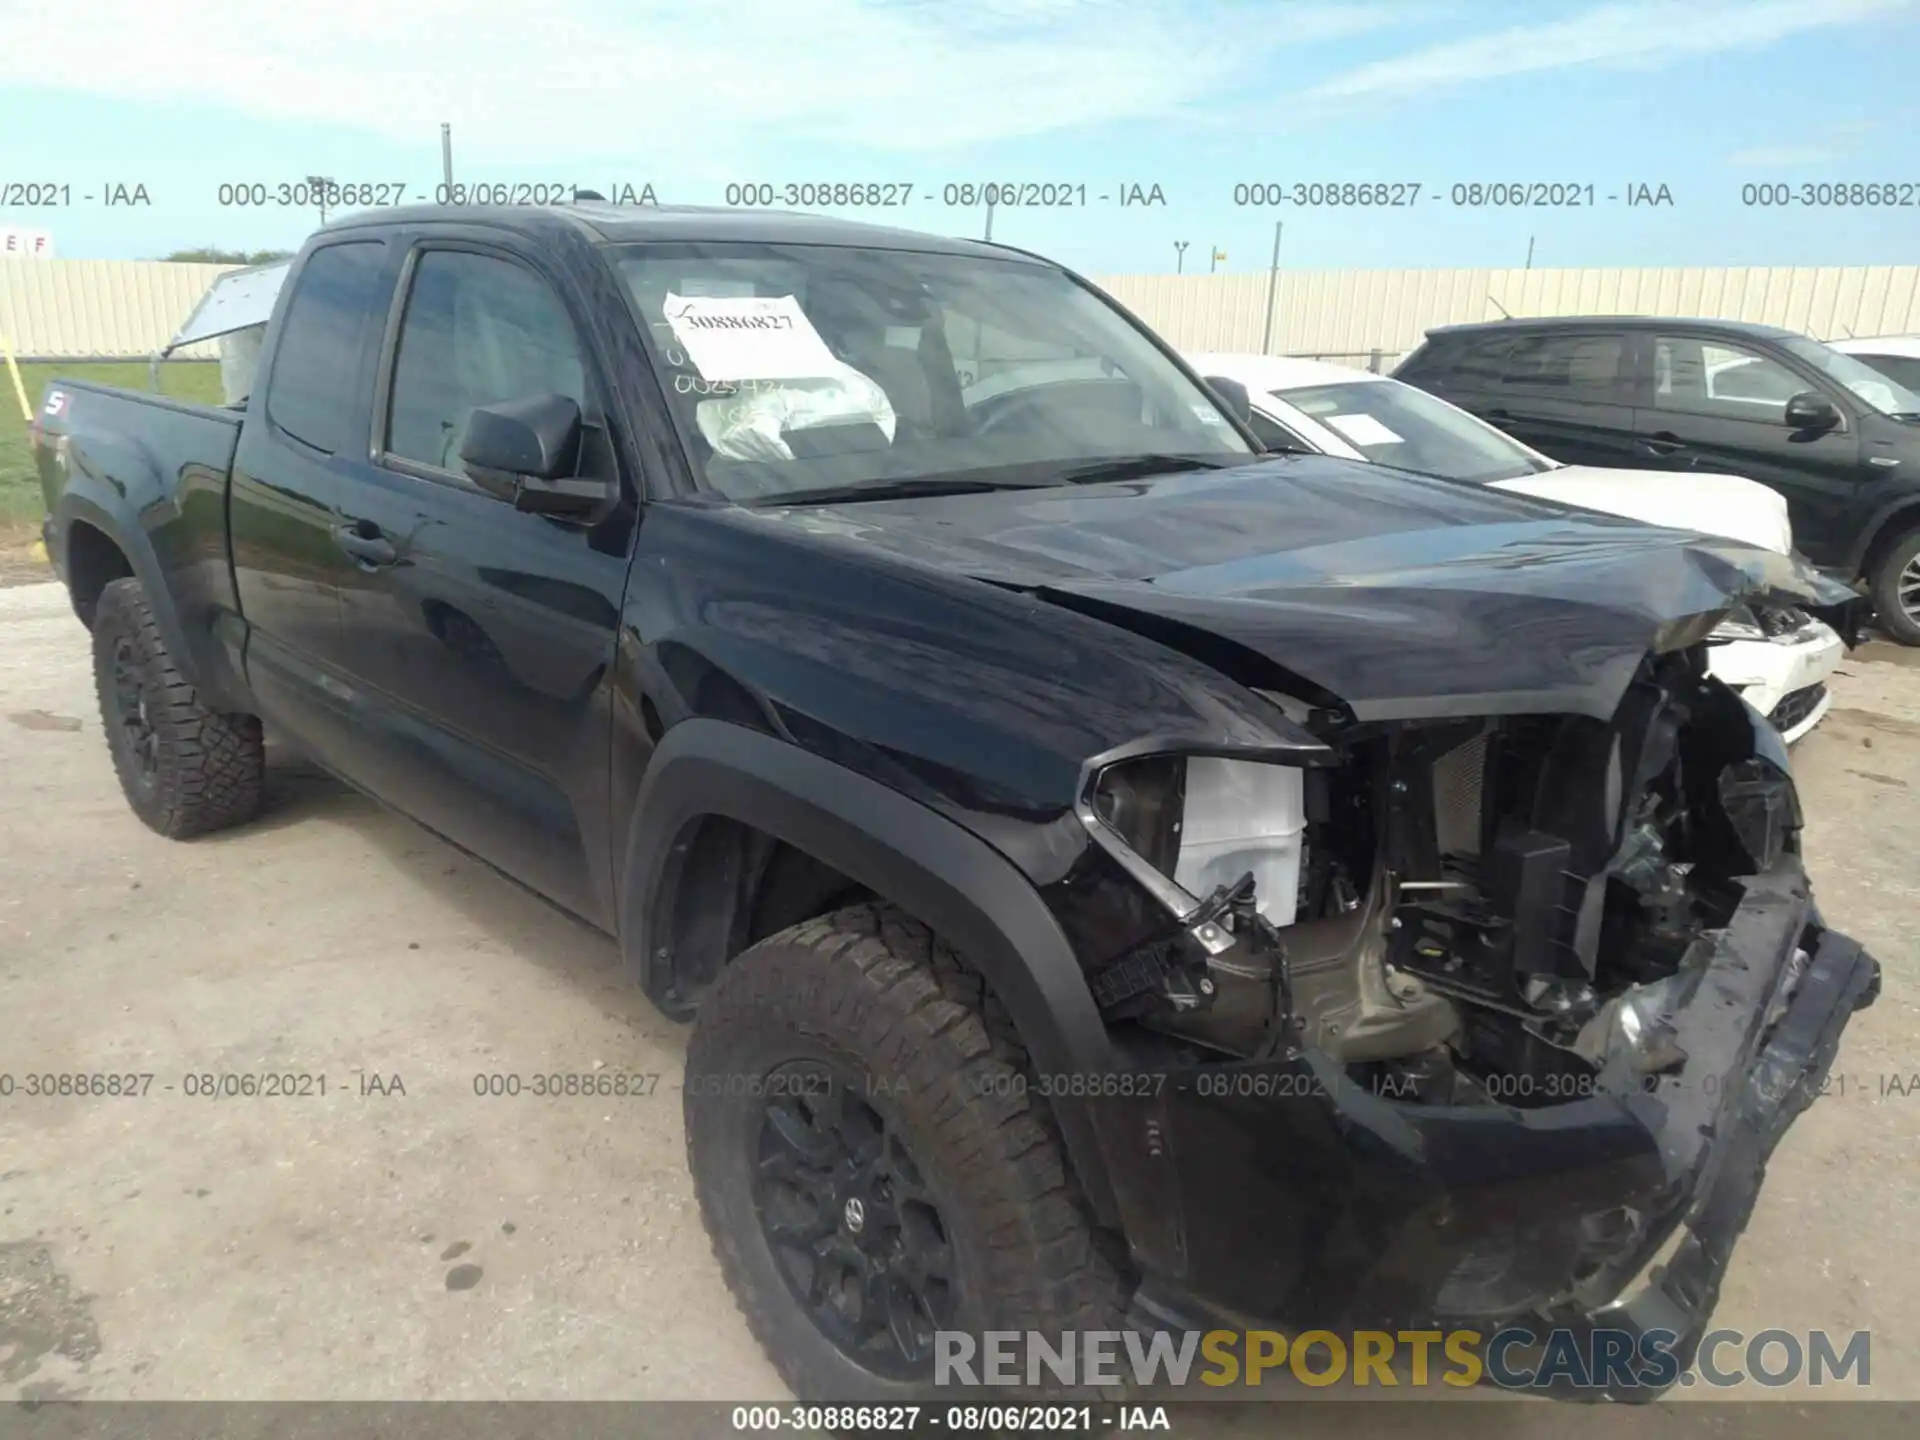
x: 336, y: 304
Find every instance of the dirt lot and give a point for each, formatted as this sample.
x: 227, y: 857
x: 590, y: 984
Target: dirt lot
x: 401, y: 1237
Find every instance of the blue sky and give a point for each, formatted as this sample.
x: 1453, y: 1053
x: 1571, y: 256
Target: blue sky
x: 1702, y: 96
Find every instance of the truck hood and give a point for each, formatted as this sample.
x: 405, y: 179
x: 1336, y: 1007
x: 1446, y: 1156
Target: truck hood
x: 1396, y: 595
x: 1725, y: 505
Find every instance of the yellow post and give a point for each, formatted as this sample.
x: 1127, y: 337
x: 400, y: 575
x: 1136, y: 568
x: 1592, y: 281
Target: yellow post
x: 19, y: 389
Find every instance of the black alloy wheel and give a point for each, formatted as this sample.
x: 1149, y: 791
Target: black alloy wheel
x: 130, y: 710
x: 874, y: 1172
x: 854, y: 1227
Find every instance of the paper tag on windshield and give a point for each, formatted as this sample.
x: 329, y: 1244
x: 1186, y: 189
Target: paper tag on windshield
x: 1362, y: 429
x: 749, y: 337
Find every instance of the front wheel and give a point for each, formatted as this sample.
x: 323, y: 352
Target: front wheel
x: 871, y: 1168
x: 185, y: 769
x: 1896, y: 590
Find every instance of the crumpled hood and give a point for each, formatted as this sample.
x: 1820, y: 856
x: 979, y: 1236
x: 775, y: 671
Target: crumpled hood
x: 1728, y: 505
x: 1397, y: 594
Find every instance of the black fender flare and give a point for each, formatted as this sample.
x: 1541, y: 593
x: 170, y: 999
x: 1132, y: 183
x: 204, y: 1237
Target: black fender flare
x: 1891, y: 514
x: 902, y: 851
x: 133, y: 543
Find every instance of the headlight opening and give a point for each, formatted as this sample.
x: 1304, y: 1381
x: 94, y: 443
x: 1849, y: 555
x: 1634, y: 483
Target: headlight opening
x: 1204, y: 822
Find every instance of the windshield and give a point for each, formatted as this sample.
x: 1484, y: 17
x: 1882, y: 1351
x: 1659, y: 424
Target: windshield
x: 1395, y: 424
x: 1903, y: 370
x: 795, y: 368
x: 1880, y: 391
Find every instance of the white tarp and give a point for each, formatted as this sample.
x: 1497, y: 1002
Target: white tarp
x: 237, y: 300
x: 239, y: 361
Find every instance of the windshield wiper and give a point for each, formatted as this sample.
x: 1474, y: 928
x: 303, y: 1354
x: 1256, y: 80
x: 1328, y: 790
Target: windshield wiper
x: 925, y: 487
x: 1126, y: 467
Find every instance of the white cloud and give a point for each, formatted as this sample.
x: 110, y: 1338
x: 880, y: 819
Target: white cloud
x: 1632, y: 34
x: 574, y: 79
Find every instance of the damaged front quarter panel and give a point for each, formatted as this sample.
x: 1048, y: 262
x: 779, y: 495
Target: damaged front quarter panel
x: 1484, y: 620
x: 1550, y: 991
x: 1446, y: 944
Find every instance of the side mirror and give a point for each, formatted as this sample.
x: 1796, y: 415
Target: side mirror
x: 1810, y: 410
x: 1233, y: 395
x: 527, y: 451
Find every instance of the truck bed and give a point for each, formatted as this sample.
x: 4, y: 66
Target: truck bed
x: 101, y: 425
x: 151, y: 472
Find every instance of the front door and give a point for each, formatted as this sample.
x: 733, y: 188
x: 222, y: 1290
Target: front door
x: 1720, y: 407
x: 480, y: 639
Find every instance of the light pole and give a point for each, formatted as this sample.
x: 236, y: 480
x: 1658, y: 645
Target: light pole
x: 318, y: 186
x: 446, y: 160
x: 992, y: 191
x: 1218, y: 256
x: 1273, y: 279
x: 1179, y: 256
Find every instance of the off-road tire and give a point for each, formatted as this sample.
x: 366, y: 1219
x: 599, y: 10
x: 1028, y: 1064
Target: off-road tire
x: 880, y: 990
x: 1889, y: 614
x: 208, y: 767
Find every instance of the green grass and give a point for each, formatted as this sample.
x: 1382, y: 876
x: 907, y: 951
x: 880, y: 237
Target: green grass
x: 20, y: 502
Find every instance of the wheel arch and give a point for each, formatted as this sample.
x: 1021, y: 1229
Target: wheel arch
x: 96, y: 548
x: 894, y: 848
x: 1893, y: 521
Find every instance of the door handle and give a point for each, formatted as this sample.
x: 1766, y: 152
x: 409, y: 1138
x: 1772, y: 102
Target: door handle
x: 363, y: 542
x: 1663, y: 442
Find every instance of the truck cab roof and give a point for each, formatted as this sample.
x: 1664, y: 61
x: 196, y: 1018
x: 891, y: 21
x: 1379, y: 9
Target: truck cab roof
x: 604, y: 223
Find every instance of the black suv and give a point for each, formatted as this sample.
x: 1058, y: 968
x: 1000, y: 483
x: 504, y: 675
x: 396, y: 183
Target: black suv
x: 1838, y: 439
x: 1111, y: 871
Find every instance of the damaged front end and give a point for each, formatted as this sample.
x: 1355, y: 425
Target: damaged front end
x: 1465, y: 1021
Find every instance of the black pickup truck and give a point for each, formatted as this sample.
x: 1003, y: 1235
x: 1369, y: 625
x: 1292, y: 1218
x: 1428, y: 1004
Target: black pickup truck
x: 1115, y: 875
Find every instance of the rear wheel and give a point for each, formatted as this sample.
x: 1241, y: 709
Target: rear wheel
x: 1896, y: 589
x: 185, y: 769
x: 870, y: 1165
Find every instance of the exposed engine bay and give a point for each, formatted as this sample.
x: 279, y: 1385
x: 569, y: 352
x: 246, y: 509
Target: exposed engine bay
x: 1460, y: 911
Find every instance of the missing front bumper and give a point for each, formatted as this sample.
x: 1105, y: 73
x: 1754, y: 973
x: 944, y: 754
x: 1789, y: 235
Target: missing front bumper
x: 1282, y: 1192
x: 1677, y: 1299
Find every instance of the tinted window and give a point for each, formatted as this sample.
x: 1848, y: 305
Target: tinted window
x: 1903, y: 370
x: 477, y: 330
x: 1274, y: 435
x: 1477, y: 361
x: 1425, y: 361
x: 1710, y: 377
x: 311, y: 392
x: 1570, y: 367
